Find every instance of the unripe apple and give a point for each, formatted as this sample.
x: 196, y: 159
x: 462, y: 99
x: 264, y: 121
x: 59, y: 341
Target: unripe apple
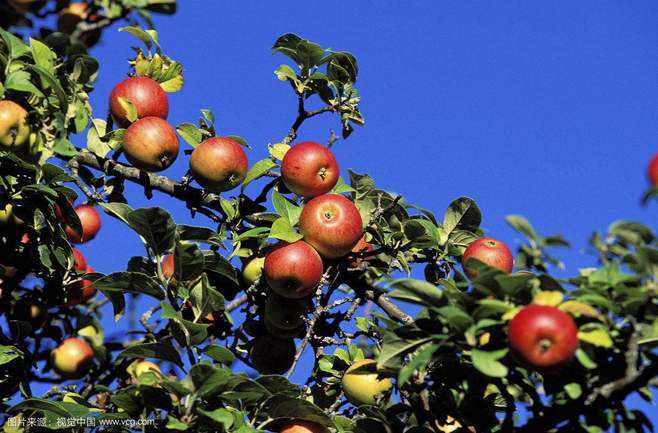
x: 270, y: 355
x: 293, y: 270
x: 253, y: 270
x: 362, y: 385
x: 146, y: 96
x: 652, y: 170
x: 73, y: 357
x: 284, y: 317
x: 74, y: 14
x: 301, y: 426
x: 90, y: 220
x: 151, y: 144
x: 219, y: 164
x: 79, y: 261
x: 81, y: 291
x: 168, y: 267
x: 138, y: 368
x: 332, y: 224
x: 543, y: 336
x: 489, y: 251
x: 91, y: 333
x: 309, y: 169
x: 14, y: 129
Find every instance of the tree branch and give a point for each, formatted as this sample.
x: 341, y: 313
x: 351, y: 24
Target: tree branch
x: 189, y: 194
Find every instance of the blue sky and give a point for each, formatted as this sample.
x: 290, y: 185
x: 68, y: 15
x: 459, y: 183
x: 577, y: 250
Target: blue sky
x: 545, y: 109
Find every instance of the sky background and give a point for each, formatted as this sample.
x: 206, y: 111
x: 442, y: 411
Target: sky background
x: 545, y: 109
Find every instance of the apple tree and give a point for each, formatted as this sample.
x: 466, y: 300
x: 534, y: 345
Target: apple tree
x: 487, y: 340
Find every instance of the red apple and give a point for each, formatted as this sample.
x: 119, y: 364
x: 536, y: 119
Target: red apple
x: 81, y: 291
x: 489, y: 251
x: 151, y: 144
x: 309, y: 169
x: 219, y: 164
x: 168, y: 266
x: 73, y: 357
x: 144, y: 93
x: 543, y: 336
x: 301, y: 426
x: 331, y: 224
x: 652, y: 170
x: 90, y: 220
x: 293, y: 270
x: 79, y: 261
x: 14, y: 129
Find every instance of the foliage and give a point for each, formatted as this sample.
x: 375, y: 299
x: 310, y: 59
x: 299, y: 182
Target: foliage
x: 451, y: 363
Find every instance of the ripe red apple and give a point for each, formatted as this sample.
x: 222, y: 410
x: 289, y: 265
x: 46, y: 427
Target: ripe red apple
x: 362, y: 385
x: 72, y: 15
x: 293, y: 270
x: 14, y: 129
x: 219, y: 164
x: 544, y: 336
x: 168, y: 268
x: 331, y: 224
x: 90, y: 220
x: 81, y: 291
x: 301, y: 426
x: 652, y: 170
x: 144, y: 93
x: 489, y: 251
x: 270, y: 355
x: 309, y: 169
x: 79, y: 261
x: 150, y: 144
x: 73, y: 357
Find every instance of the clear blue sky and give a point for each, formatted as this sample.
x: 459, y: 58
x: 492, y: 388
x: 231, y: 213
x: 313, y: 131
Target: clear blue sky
x: 546, y: 109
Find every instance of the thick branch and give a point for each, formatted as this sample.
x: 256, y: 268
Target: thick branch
x: 189, y: 194
x: 389, y: 307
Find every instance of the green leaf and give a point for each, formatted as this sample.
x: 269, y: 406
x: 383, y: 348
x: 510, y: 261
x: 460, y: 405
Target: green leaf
x: 278, y: 150
x: 597, y: 337
x: 155, y: 226
x: 149, y: 37
x: 462, y: 213
x: 258, y: 170
x: 487, y: 362
x: 190, y: 133
x: 521, y: 225
x: 416, y: 291
x: 128, y: 108
x: 43, y: 55
x: 160, y: 350
x: 172, y: 85
x: 285, y: 208
x: 573, y: 390
x: 220, y: 354
x: 22, y: 81
x: 417, y: 361
x: 281, y: 229
x: 585, y: 360
x: 133, y: 282
x: 15, y: 46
